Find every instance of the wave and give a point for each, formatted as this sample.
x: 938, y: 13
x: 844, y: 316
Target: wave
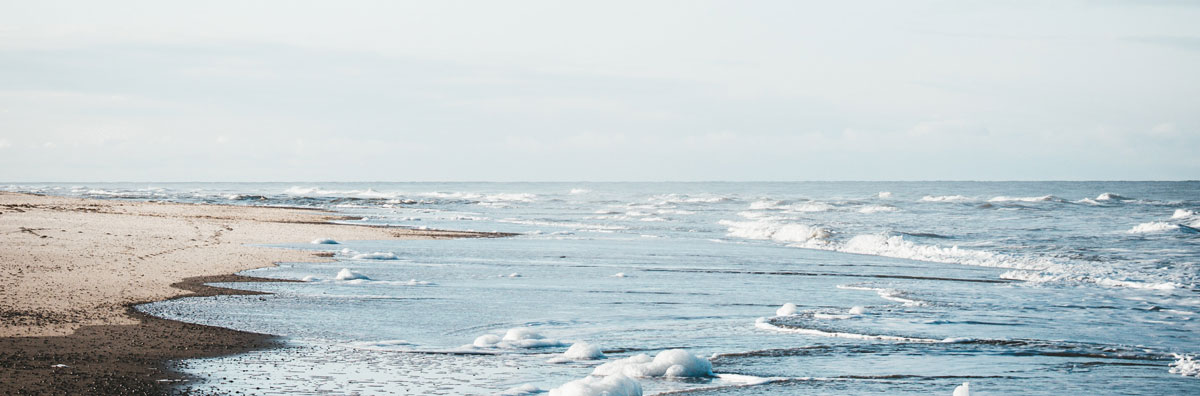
x: 877, y: 209
x: 1186, y: 366
x: 686, y: 199
x: 895, y: 246
x: 810, y: 207
x: 1031, y: 269
x: 1044, y: 198
x: 1087, y: 276
x: 765, y: 324
x: 1153, y: 227
x: 307, y: 192
x: 947, y: 198
x: 766, y: 204
x: 813, y: 206
x: 1112, y: 197
x: 780, y: 232
x: 888, y: 294
x: 1183, y: 214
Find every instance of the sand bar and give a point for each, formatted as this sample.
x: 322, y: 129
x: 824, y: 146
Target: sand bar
x: 70, y: 269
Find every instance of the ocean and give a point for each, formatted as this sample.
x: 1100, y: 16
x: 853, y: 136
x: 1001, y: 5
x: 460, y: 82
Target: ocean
x: 805, y: 288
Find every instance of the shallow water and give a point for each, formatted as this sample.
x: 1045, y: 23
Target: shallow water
x: 1018, y: 288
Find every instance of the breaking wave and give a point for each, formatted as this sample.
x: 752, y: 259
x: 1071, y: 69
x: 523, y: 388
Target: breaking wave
x: 947, y: 198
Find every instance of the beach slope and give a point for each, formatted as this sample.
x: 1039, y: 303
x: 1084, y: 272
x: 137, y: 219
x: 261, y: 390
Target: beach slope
x: 71, y: 270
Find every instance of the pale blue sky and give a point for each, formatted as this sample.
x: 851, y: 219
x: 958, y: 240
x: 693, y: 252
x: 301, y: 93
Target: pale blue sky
x: 686, y: 90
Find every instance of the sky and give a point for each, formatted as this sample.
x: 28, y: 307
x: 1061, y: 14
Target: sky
x: 599, y: 91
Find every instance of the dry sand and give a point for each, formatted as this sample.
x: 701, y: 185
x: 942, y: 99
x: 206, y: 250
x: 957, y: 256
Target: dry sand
x: 71, y: 269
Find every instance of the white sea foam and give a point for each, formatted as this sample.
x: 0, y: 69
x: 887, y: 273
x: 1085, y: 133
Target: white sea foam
x: 810, y: 207
x: 579, y: 351
x: 877, y: 209
x: 748, y: 380
x: 779, y: 232
x: 885, y: 293
x: 896, y: 246
x: 376, y: 256
x: 1044, y: 198
x: 324, y: 241
x: 515, y: 338
x: 1083, y: 276
x: 963, y: 390
x: 946, y: 198
x: 884, y: 194
x: 765, y: 204
x: 1183, y: 214
x: 520, y: 390
x: 493, y: 198
x: 579, y: 191
x: 486, y: 341
x: 763, y: 324
x: 613, y: 385
x: 1111, y: 197
x: 674, y: 363
x: 1026, y: 268
x: 857, y: 310
x: 1186, y: 366
x: 346, y: 275
x: 620, y: 275
x: 872, y: 244
x: 1152, y: 227
x: 786, y: 309
x: 383, y: 345
x: 683, y: 198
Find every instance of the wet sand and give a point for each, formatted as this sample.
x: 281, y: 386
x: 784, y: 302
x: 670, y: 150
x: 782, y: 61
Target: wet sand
x: 71, y: 271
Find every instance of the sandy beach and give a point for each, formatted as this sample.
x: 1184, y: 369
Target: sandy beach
x: 74, y: 268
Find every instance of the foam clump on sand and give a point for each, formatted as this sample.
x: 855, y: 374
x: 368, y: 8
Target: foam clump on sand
x: 520, y: 337
x: 346, y: 274
x: 963, y: 390
x: 376, y: 256
x: 613, y: 385
x: 324, y: 241
x: 786, y: 309
x: 1186, y: 366
x: 674, y: 363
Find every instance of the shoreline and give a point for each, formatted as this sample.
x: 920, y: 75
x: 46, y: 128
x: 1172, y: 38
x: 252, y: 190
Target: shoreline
x: 75, y: 269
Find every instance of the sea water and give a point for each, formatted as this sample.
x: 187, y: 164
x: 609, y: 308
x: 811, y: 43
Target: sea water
x: 890, y: 288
